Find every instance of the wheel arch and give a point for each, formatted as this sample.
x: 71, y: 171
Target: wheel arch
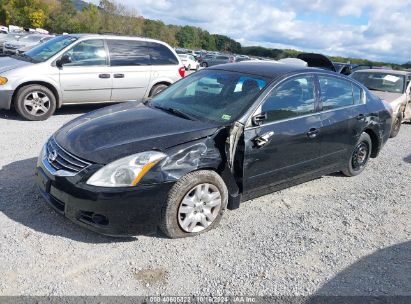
x: 48, y: 85
x: 375, y: 140
x: 165, y: 82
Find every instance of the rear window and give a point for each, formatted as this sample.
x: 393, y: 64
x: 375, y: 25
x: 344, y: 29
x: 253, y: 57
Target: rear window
x: 128, y: 52
x: 161, y: 55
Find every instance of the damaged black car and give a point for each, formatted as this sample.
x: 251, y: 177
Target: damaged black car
x: 214, y: 139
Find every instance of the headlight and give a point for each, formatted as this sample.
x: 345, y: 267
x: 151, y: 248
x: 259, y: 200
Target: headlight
x: 3, y: 80
x: 127, y: 171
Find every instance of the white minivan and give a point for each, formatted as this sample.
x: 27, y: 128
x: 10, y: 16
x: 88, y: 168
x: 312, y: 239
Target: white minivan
x: 84, y: 68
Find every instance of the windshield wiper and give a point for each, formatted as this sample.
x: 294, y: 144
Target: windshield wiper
x: 25, y: 57
x: 175, y: 112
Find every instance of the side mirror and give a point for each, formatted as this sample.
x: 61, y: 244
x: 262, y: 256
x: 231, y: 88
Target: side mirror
x: 258, y: 119
x: 63, y: 60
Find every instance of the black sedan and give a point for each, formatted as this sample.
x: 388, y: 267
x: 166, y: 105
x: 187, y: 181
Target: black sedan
x: 212, y: 140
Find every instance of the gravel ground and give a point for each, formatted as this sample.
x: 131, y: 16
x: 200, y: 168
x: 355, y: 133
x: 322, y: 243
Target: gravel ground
x: 334, y: 235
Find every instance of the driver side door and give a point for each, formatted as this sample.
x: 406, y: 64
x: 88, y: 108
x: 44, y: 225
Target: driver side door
x: 285, y: 143
x: 86, y: 78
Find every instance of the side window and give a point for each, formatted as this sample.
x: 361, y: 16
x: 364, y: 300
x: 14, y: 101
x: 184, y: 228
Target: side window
x: 128, y: 53
x: 357, y: 94
x: 161, y: 55
x: 292, y: 98
x: 335, y: 93
x: 88, y: 53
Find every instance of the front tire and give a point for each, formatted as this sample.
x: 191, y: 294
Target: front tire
x: 158, y: 88
x: 396, y: 125
x: 360, y: 156
x: 195, y: 205
x: 204, y: 64
x: 35, y: 102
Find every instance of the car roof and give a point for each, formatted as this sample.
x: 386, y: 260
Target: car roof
x: 266, y: 69
x: 395, y: 72
x: 120, y: 37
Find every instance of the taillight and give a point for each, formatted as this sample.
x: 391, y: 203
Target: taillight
x: 388, y: 107
x: 182, y: 71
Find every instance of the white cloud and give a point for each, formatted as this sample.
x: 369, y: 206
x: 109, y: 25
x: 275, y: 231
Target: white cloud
x: 383, y: 33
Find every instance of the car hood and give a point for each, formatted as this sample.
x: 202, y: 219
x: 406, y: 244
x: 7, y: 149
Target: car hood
x: 117, y: 131
x: 388, y: 96
x: 8, y: 63
x: 317, y: 61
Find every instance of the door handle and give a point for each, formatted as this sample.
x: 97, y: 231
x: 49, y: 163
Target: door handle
x: 312, y: 133
x: 118, y: 75
x: 104, y: 76
x: 264, y: 139
x: 360, y: 116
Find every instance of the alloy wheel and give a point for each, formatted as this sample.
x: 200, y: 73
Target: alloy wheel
x: 37, y: 103
x: 199, y: 208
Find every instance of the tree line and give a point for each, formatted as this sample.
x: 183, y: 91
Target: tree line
x: 76, y: 16
x: 59, y: 16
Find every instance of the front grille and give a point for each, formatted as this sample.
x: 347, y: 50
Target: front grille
x: 62, y: 159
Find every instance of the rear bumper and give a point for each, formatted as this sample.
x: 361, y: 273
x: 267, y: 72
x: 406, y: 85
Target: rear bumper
x: 113, y: 212
x: 5, y: 99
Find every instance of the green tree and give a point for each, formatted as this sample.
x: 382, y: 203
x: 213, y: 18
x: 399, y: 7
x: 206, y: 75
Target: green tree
x: 90, y: 19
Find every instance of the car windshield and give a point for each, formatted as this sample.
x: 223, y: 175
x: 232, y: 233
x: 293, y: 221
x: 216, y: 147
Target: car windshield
x: 31, y: 38
x: 385, y: 82
x: 212, y: 95
x: 11, y: 37
x: 48, y: 49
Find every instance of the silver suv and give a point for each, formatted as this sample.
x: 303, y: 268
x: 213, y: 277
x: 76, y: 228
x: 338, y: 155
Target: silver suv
x: 73, y: 69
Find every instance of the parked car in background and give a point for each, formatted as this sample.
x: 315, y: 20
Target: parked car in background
x: 343, y: 68
x: 211, y: 60
x: 10, y: 37
x: 25, y: 43
x: 72, y: 69
x: 190, y: 63
x: 220, y: 136
x: 393, y: 87
x: 239, y: 58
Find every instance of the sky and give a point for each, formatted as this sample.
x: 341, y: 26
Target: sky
x: 372, y: 29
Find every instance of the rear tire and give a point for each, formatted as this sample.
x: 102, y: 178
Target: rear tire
x: 396, y: 125
x: 158, y: 88
x: 35, y: 102
x: 204, y: 64
x: 194, y: 205
x: 359, y: 156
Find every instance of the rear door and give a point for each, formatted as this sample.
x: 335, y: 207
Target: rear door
x: 87, y: 77
x: 287, y: 143
x: 130, y: 68
x: 343, y: 115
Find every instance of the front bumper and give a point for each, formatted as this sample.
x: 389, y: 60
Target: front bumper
x: 5, y: 99
x: 109, y: 211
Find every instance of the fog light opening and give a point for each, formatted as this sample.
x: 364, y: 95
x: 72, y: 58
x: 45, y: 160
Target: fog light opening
x: 99, y: 219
